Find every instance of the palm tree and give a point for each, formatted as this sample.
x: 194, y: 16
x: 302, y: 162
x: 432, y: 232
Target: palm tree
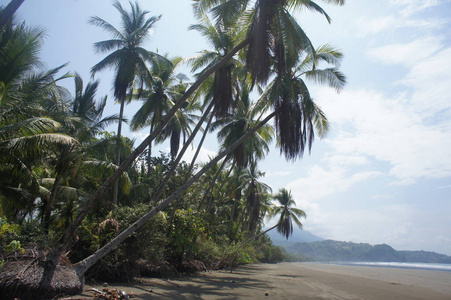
x: 224, y: 85
x: 256, y: 193
x: 128, y: 57
x: 288, y: 214
x: 234, y: 125
x: 272, y: 34
x: 27, y: 133
x: 82, y: 117
x: 313, y: 114
x: 164, y: 88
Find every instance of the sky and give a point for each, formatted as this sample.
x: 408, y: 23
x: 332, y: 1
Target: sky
x: 383, y: 173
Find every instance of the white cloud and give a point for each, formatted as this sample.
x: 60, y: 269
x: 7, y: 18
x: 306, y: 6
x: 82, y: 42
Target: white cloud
x: 346, y: 160
x: 321, y: 183
x: 388, y: 130
x: 401, y: 14
x: 205, y: 155
x: 401, y: 226
x: 370, y: 26
x: 278, y: 174
x: 406, y: 54
x: 430, y: 80
x: 409, y: 7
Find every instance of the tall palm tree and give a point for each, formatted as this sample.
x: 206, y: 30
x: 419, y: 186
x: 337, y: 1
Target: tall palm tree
x: 27, y: 133
x: 164, y: 88
x: 82, y: 119
x: 127, y: 56
x: 224, y: 85
x: 234, y: 125
x: 272, y: 34
x: 256, y: 195
x: 83, y: 265
x: 287, y: 213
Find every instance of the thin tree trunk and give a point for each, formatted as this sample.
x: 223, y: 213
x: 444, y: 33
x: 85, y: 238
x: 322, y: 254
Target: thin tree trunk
x: 149, y: 153
x: 69, y: 233
x: 199, y: 146
x: 182, y: 152
x: 210, y: 203
x: 118, y: 153
x: 85, y: 264
x: 9, y: 11
x: 212, y: 183
x: 240, y: 246
x: 51, y: 201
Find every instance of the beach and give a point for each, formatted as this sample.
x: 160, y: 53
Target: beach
x: 296, y: 281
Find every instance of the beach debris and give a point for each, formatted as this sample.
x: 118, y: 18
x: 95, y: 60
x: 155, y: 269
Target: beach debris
x: 266, y: 294
x: 105, y: 284
x: 113, y: 294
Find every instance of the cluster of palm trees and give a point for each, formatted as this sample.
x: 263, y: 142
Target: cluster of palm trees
x: 59, y: 166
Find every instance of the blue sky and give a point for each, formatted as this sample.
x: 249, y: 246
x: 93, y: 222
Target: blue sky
x: 383, y: 174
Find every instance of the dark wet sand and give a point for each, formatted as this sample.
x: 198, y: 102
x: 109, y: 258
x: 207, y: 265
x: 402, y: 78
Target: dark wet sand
x: 298, y: 281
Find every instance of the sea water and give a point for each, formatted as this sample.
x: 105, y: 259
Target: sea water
x: 421, y: 266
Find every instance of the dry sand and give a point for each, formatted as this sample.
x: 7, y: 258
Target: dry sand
x: 298, y: 281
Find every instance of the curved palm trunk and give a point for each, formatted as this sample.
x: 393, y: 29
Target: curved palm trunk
x: 199, y: 146
x: 222, y: 262
x: 85, y: 264
x: 182, y: 152
x: 210, y: 203
x: 69, y: 233
x: 212, y: 183
x: 9, y: 11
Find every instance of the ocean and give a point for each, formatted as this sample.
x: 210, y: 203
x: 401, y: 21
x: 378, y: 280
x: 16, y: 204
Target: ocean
x: 420, y: 266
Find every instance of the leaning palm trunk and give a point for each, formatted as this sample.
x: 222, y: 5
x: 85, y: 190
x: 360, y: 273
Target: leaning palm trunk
x: 82, y: 266
x: 199, y: 146
x: 8, y: 12
x: 182, y: 152
x: 69, y: 233
x: 233, y: 253
x: 212, y: 183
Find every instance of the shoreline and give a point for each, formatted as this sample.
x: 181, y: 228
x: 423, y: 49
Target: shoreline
x: 296, y: 281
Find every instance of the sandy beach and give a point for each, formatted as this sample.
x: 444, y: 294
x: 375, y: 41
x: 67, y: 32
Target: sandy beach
x: 297, y: 281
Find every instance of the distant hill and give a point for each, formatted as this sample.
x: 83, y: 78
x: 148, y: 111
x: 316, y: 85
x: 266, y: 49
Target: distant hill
x: 298, y: 236
x: 329, y: 250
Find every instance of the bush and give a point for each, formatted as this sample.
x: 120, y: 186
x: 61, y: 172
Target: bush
x: 121, y: 264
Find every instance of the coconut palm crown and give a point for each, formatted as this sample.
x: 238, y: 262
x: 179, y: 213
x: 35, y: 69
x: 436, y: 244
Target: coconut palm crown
x: 288, y: 213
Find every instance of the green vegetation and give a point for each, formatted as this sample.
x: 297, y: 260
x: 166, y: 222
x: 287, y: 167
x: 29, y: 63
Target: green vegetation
x: 69, y: 188
x: 330, y: 250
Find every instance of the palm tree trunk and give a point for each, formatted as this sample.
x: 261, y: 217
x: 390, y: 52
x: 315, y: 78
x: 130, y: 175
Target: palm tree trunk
x: 240, y: 246
x: 118, y: 152
x: 69, y: 233
x: 149, y: 153
x: 9, y: 11
x: 199, y: 146
x: 257, y: 236
x: 212, y: 183
x: 182, y: 152
x: 51, y: 201
x: 82, y: 266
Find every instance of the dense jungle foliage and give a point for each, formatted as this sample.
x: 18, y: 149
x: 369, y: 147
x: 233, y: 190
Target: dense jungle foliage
x: 56, y: 150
